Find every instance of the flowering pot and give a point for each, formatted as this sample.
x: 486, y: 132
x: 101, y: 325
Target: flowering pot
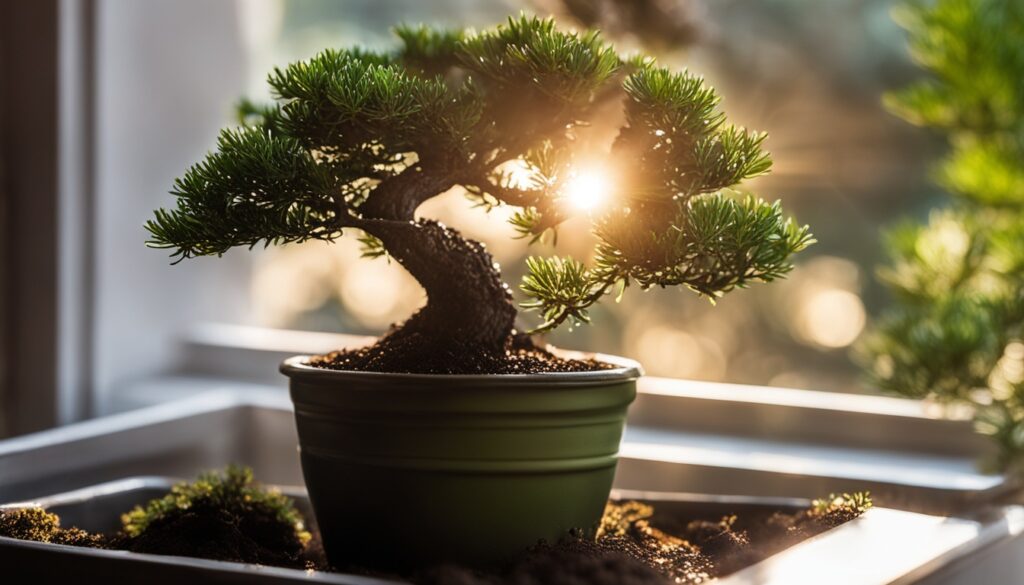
x: 407, y: 470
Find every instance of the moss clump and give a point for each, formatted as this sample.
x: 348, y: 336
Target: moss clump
x: 42, y: 526
x: 837, y: 509
x: 223, y: 516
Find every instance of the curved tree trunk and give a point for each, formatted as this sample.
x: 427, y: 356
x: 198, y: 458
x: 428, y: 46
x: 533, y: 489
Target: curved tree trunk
x: 467, y: 302
x: 466, y: 325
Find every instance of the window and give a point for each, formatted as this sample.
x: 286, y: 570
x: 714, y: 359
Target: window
x: 157, y: 81
x: 843, y: 165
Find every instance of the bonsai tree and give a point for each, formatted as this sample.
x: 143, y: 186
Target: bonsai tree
x: 955, y: 331
x: 356, y: 141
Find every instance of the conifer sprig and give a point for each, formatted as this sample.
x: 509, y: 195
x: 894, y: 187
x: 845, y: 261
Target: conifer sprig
x: 715, y: 245
x: 257, y: 187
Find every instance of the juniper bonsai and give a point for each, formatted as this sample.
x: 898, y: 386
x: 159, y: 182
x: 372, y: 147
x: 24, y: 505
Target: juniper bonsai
x: 955, y: 331
x: 356, y: 141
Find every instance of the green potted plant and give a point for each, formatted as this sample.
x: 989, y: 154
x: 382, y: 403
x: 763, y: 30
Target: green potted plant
x: 954, y: 332
x: 453, y: 437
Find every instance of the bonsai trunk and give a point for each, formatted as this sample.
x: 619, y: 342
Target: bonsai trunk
x: 467, y: 322
x: 466, y: 325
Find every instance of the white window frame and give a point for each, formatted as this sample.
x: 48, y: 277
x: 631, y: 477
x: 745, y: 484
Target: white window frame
x: 75, y: 324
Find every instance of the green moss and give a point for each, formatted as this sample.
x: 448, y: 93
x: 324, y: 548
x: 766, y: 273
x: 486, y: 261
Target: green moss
x: 232, y: 491
x: 222, y: 515
x: 29, y: 524
x: 42, y: 526
x: 837, y: 509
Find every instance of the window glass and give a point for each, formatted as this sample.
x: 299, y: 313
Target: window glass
x: 811, y: 74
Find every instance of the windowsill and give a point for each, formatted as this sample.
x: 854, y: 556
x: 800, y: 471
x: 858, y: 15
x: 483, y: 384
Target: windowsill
x: 232, y: 355
x: 838, y: 439
x: 950, y: 471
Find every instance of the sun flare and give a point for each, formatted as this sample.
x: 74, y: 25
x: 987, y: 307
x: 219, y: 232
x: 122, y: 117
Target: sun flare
x: 587, y: 189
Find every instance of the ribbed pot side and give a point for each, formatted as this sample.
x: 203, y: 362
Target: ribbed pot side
x: 408, y: 470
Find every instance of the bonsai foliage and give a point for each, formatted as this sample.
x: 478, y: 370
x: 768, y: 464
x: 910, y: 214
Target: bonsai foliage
x: 955, y: 332
x: 356, y: 141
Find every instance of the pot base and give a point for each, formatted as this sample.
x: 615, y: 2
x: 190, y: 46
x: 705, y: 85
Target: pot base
x: 400, y: 519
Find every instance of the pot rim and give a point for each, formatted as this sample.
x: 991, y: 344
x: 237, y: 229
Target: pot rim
x: 626, y: 370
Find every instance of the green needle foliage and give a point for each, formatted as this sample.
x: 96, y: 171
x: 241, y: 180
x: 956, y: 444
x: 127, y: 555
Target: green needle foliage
x: 713, y: 245
x: 955, y: 332
x: 356, y: 140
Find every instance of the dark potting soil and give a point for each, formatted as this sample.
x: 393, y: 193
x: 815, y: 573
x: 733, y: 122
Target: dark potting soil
x: 628, y: 550
x: 521, y: 356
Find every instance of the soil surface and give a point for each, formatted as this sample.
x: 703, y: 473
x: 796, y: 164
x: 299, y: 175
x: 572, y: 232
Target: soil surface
x: 629, y: 548
x: 520, y: 356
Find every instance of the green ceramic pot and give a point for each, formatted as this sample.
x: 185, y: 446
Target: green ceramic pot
x: 408, y: 470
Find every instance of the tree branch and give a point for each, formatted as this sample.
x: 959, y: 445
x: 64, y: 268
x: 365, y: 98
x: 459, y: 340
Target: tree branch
x: 398, y: 197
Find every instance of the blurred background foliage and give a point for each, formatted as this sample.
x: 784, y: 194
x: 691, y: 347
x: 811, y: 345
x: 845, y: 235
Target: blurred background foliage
x: 954, y: 333
x: 810, y: 74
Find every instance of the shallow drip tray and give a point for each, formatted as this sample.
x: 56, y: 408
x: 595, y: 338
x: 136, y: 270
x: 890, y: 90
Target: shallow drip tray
x: 183, y: 438
x: 925, y: 542
x: 98, y: 509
